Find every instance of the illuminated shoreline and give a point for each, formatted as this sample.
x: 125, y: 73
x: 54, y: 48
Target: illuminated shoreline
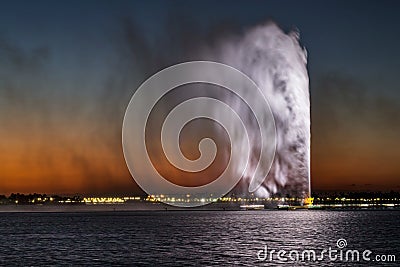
x: 377, y: 201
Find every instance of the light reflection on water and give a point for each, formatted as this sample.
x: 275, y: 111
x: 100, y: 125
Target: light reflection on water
x: 195, y: 238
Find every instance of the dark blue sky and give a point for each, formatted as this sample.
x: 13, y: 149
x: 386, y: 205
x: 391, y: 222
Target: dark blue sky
x: 360, y: 38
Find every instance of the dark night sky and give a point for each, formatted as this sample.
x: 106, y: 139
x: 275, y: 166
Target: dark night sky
x: 68, y: 69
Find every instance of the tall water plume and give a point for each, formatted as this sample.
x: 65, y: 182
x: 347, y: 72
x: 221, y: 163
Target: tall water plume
x: 276, y: 62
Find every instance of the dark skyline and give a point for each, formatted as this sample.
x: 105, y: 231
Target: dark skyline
x: 68, y: 69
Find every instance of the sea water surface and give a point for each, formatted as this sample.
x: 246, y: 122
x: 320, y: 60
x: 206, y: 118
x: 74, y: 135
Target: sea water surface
x: 193, y: 238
